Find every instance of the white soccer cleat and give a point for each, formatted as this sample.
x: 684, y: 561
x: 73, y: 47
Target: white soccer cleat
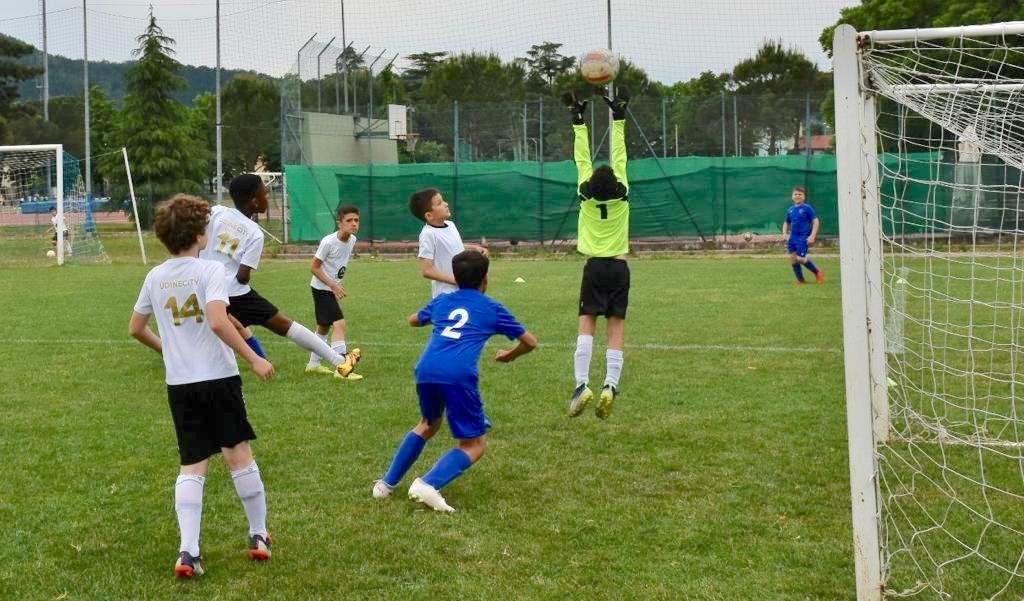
x: 381, y: 490
x: 428, y: 495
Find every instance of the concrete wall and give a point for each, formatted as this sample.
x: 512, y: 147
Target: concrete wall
x: 331, y: 140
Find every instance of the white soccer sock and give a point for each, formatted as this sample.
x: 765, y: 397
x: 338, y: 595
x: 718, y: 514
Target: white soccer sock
x: 314, y: 359
x: 584, y: 350
x: 340, y: 347
x: 188, y: 504
x: 249, y: 486
x: 615, y: 360
x: 302, y: 336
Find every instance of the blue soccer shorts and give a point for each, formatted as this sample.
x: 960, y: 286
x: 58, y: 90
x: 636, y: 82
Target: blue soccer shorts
x: 797, y: 246
x: 466, y: 417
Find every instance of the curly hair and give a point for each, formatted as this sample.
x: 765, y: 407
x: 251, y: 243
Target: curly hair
x: 181, y: 221
x: 419, y: 202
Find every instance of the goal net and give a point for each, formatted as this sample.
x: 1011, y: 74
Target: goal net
x: 939, y: 125
x: 45, y: 212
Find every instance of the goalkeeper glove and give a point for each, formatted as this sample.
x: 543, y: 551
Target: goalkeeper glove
x: 619, y: 104
x: 576, y: 107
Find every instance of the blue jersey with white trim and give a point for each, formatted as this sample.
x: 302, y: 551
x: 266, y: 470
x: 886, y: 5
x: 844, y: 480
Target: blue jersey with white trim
x: 801, y: 220
x: 463, y: 322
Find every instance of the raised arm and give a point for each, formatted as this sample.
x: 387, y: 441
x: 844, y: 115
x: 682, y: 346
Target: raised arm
x: 581, y: 143
x: 619, y: 105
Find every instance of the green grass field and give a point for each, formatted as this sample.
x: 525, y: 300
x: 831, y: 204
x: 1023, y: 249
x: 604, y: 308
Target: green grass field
x: 721, y: 474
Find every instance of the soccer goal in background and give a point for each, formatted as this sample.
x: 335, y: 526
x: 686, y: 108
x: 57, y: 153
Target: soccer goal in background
x: 33, y: 180
x: 275, y: 221
x: 930, y: 145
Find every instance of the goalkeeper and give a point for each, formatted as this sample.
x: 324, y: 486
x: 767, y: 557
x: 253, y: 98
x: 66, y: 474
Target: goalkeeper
x: 604, y: 237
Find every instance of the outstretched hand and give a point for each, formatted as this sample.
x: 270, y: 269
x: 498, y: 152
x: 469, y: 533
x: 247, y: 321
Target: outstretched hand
x: 575, y: 106
x: 619, y: 104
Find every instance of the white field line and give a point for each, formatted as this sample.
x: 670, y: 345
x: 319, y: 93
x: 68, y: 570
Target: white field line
x: 652, y: 346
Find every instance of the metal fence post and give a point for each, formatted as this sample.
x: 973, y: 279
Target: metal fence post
x: 540, y: 156
x: 455, y: 162
x: 664, y: 130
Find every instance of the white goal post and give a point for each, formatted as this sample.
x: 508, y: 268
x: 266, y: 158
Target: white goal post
x: 38, y: 179
x: 930, y: 161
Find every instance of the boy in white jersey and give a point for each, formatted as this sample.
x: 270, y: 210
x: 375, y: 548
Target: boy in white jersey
x: 204, y: 390
x: 236, y: 241
x: 328, y: 268
x: 439, y: 240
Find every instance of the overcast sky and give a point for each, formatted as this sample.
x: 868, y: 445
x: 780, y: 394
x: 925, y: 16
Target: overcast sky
x: 672, y: 40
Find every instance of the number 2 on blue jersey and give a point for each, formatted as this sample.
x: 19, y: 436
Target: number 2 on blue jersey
x: 462, y: 318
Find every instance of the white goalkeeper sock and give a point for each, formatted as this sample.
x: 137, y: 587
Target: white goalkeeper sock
x: 249, y: 486
x: 584, y: 350
x: 188, y: 504
x: 340, y: 347
x: 615, y: 360
x: 314, y: 359
x: 302, y: 336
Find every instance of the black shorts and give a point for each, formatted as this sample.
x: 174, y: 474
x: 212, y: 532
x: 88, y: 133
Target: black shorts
x: 251, y: 308
x: 326, y: 307
x: 208, y: 416
x: 605, y: 287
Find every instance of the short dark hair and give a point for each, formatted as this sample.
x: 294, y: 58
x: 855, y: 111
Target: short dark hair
x: 470, y: 268
x: 419, y: 202
x: 603, y: 184
x: 180, y: 221
x: 244, y: 188
x: 800, y: 189
x: 345, y: 210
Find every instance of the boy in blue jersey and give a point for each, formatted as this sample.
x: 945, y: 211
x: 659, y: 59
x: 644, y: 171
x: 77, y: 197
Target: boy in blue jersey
x: 447, y: 379
x: 801, y: 226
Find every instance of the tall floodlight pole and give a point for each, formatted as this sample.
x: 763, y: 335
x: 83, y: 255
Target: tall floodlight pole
x: 319, y: 81
x: 219, y: 179
x: 46, y: 69
x: 611, y: 85
x: 344, y: 62
x: 85, y: 86
x: 298, y: 68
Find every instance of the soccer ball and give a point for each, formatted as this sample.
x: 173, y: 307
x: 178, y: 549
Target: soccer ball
x: 748, y: 236
x: 599, y: 66
x: 51, y: 253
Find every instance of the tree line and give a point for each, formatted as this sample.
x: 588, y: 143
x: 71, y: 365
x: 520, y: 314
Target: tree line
x: 171, y: 142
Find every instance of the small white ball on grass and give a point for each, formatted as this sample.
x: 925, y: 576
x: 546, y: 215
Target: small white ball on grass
x: 51, y: 253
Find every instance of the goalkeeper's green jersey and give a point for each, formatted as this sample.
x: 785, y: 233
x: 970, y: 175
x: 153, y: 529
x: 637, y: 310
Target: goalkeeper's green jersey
x: 603, y: 224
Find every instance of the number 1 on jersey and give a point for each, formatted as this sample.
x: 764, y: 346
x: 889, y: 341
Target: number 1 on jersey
x: 462, y: 318
x: 604, y: 211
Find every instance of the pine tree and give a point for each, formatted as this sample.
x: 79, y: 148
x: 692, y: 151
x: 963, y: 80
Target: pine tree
x: 166, y: 156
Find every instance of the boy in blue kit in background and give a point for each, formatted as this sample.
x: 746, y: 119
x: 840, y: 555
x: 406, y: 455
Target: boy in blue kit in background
x: 801, y: 226
x: 447, y: 378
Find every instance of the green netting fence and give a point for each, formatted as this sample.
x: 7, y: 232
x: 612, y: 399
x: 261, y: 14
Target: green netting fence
x: 517, y: 200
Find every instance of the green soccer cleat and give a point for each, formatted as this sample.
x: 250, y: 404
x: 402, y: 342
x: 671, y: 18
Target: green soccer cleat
x: 580, y: 399
x: 319, y: 370
x: 604, y: 404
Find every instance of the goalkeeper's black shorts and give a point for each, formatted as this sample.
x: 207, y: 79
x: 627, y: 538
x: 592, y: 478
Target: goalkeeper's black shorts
x: 605, y: 287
